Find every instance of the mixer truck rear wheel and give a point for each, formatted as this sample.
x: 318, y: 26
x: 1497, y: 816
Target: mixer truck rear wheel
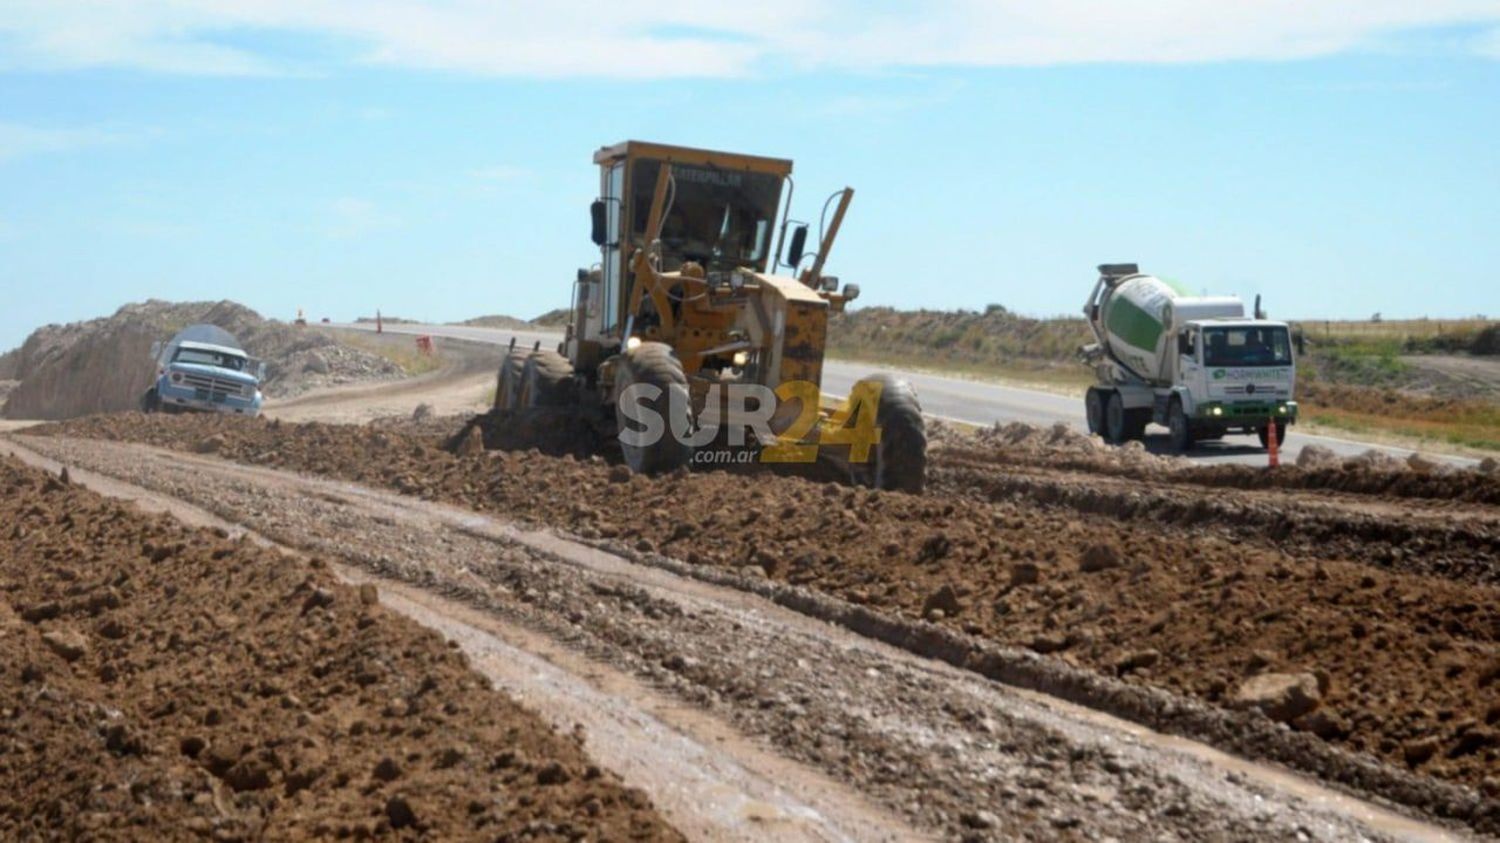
x: 654, y: 364
x: 898, y: 462
x: 1093, y: 411
x: 1114, y: 419
x: 1265, y: 438
x: 508, y: 382
x: 546, y: 381
x: 1180, y: 431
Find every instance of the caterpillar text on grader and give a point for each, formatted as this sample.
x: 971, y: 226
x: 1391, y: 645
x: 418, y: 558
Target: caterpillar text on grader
x: 682, y: 341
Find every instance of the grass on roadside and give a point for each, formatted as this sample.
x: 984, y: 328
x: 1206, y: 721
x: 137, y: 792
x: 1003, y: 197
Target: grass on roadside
x: 401, y: 350
x: 1469, y: 424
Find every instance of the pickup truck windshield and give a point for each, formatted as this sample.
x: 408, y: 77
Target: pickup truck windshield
x: 209, y: 358
x: 1246, y: 346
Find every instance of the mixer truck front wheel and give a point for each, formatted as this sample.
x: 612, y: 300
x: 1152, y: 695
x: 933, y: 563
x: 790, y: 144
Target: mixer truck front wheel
x: 1180, y: 431
x: 1093, y: 407
x: 1116, y: 429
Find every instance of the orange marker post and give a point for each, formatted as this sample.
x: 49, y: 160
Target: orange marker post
x: 1273, y: 446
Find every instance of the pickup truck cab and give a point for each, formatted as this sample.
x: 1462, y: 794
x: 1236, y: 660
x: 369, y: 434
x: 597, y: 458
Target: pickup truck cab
x: 203, y: 369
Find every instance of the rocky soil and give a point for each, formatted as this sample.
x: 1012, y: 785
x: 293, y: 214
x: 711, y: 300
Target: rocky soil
x: 1385, y: 647
x: 924, y: 749
x: 104, y: 365
x: 159, y: 682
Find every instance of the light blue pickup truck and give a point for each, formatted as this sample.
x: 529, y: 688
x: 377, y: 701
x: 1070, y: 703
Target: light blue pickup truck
x: 203, y: 369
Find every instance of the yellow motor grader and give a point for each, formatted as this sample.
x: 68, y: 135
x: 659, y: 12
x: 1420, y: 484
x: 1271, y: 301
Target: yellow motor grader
x: 687, y: 348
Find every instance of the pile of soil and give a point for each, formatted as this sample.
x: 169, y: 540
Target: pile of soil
x: 1404, y: 664
x: 1371, y: 473
x: 104, y: 365
x: 163, y: 683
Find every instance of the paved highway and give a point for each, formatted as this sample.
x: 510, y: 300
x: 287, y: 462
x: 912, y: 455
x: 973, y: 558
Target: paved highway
x: 963, y: 400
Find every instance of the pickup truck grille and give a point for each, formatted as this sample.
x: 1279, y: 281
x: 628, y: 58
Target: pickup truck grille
x: 215, y: 389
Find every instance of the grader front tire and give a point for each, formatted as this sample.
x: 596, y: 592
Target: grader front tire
x: 653, y: 364
x: 546, y: 381
x: 508, y: 382
x: 899, y: 461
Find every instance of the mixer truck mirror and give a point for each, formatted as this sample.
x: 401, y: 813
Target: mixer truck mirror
x: 798, y: 246
x: 1185, y: 344
x: 597, y: 215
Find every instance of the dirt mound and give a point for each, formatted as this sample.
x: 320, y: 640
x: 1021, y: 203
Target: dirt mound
x: 1406, y: 656
x: 498, y: 320
x: 103, y: 365
x: 1061, y: 443
x: 1370, y: 473
x: 165, y: 683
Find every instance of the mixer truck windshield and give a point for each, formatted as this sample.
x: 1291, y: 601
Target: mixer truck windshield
x: 720, y: 218
x: 1246, y: 346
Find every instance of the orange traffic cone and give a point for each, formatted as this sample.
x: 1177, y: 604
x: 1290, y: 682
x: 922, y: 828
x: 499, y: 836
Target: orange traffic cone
x: 1273, y: 445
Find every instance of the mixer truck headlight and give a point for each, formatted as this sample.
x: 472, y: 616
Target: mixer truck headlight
x: 633, y: 343
x: 741, y: 358
x: 1281, y: 408
x: 1218, y: 411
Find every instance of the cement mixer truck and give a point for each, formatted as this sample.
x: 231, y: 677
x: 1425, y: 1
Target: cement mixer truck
x: 1195, y: 365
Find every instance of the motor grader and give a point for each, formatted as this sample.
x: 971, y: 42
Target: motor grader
x: 685, y: 346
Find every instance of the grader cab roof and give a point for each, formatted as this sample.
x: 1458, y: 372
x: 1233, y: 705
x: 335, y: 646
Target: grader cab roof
x: 692, y: 155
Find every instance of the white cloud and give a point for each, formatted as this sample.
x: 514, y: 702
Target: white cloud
x: 349, y: 217
x: 1489, y: 43
x: 18, y: 140
x: 684, y: 38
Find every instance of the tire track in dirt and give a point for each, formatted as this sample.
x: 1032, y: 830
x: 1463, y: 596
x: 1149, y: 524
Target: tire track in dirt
x: 1064, y: 799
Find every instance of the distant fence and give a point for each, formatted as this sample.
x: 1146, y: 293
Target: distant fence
x: 1393, y: 329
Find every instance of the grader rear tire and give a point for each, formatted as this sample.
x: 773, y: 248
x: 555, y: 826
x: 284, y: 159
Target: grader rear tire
x: 654, y: 364
x: 508, y: 382
x: 546, y: 381
x: 899, y: 461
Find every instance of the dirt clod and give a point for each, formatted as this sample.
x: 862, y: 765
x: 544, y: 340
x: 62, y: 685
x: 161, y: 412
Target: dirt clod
x: 1100, y: 557
x: 67, y: 643
x: 1280, y: 696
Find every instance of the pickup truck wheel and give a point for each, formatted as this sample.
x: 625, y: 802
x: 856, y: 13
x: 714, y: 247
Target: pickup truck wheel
x: 1093, y: 411
x: 1114, y: 419
x: 150, y: 402
x: 1179, y: 431
x: 1264, y: 435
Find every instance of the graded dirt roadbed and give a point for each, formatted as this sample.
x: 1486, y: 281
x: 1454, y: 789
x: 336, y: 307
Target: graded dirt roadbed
x: 942, y: 749
x: 968, y: 401
x: 160, y: 682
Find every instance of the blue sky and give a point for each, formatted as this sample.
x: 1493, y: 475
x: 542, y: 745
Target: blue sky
x: 433, y: 160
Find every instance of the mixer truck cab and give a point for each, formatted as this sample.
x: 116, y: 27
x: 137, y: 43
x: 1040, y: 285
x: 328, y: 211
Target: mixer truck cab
x: 1196, y: 365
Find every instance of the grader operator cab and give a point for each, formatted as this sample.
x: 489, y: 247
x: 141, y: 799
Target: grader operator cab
x: 684, y: 339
